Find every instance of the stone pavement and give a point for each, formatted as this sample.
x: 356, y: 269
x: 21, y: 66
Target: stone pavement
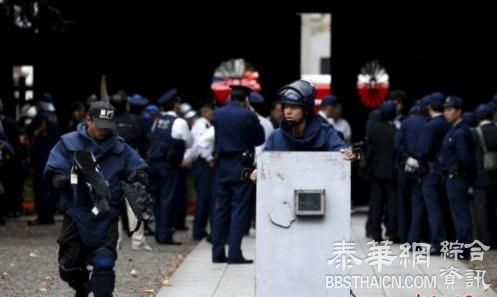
x: 28, y: 262
x: 198, y: 277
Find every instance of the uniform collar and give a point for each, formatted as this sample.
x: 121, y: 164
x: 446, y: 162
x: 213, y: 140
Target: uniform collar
x: 321, y: 113
x: 170, y: 112
x: 457, y: 122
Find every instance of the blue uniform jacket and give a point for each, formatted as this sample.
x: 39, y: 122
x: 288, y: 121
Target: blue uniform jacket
x: 458, y: 150
x: 237, y: 131
x: 407, y: 137
x: 318, y: 136
x: 431, y: 139
x: 116, y: 160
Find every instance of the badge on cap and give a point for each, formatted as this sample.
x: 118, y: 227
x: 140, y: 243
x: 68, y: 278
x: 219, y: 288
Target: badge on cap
x: 106, y: 114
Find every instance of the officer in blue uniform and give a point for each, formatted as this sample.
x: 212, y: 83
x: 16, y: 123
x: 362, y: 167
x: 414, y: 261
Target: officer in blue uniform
x: 202, y: 173
x: 128, y: 125
x: 433, y: 186
x: 89, y: 236
x: 484, y: 203
x: 44, y: 133
x: 469, y: 119
x: 238, y: 132
x: 411, y: 206
x: 170, y: 137
x: 456, y: 160
x: 135, y: 114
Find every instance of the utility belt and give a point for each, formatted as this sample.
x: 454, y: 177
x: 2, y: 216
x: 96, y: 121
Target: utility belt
x: 247, y: 159
x: 453, y: 173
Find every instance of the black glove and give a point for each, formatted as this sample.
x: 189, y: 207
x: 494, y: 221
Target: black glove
x: 140, y: 201
x: 140, y: 176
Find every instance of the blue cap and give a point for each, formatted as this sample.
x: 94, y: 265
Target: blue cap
x: 168, y: 97
x: 492, y: 105
x: 138, y: 100
x: 470, y: 118
x: 482, y: 111
x: 425, y: 101
x: 152, y: 108
x: 256, y: 97
x: 453, y: 101
x: 240, y: 92
x: 329, y: 100
x: 388, y: 110
x: 414, y: 109
x: 437, y: 99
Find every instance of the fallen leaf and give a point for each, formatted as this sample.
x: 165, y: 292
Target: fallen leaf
x: 48, y: 278
x: 165, y: 283
x: 134, y: 272
x: 33, y: 255
x: 150, y: 291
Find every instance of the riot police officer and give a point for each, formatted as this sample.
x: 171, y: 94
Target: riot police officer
x: 300, y: 129
x: 237, y: 133
x: 170, y: 137
x: 93, y: 155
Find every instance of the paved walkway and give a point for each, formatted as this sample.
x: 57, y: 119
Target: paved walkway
x: 198, y: 277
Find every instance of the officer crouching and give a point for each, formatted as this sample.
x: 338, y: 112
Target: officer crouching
x: 87, y: 166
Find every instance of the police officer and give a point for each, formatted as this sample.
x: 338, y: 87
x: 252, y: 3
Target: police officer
x: 89, y: 236
x: 13, y: 170
x: 44, y: 133
x: 276, y: 114
x: 327, y: 111
x: 433, y: 186
x: 203, y: 163
x: 6, y: 160
x: 485, y: 208
x: 137, y: 105
x: 411, y: 206
x: 77, y: 116
x: 170, y: 137
x: 380, y: 139
x: 256, y: 101
x: 326, y: 108
x: 237, y: 133
x: 456, y: 160
x: 129, y: 127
